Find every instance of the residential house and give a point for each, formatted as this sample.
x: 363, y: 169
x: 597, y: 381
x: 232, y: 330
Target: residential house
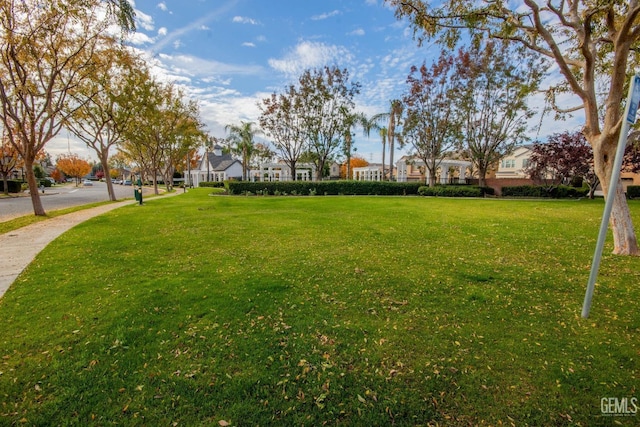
x: 450, y: 171
x: 216, y: 166
x: 514, y: 165
x: 280, y: 171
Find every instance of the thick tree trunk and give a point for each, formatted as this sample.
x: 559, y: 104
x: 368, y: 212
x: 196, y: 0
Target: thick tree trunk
x: 5, y: 181
x: 624, y: 236
x: 38, y: 209
x: 104, y: 157
x: 482, y: 175
x: 292, y: 166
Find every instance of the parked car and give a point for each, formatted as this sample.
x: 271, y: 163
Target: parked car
x: 126, y: 182
x: 87, y: 183
x: 117, y: 181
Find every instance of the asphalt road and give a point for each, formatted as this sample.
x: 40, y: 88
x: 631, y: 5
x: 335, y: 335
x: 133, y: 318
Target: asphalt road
x: 62, y: 196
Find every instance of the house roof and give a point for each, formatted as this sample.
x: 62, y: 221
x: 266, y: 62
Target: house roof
x: 221, y: 163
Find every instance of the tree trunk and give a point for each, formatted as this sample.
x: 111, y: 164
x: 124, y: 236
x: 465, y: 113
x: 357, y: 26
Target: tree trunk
x: 5, y: 181
x: 624, y: 236
x: 482, y: 176
x: 384, y: 146
x: 391, y: 148
x: 292, y: 166
x: 104, y: 157
x: 320, y: 170
x: 38, y: 209
x: 432, y: 176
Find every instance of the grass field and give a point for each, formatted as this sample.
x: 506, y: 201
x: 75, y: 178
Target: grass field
x: 201, y: 310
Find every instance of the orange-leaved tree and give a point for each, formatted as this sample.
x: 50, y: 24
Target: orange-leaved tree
x: 356, y: 162
x: 74, y: 166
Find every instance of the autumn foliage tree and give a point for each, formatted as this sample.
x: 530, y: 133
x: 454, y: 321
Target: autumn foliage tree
x: 431, y: 125
x: 493, y: 86
x: 354, y: 162
x: 46, y: 49
x: 73, y: 166
x: 9, y: 161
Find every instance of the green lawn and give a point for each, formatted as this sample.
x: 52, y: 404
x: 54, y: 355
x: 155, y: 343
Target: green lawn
x: 201, y: 310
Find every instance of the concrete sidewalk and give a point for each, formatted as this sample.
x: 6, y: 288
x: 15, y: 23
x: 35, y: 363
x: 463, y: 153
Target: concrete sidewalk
x: 21, y: 246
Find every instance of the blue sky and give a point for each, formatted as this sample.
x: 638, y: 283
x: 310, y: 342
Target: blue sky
x: 229, y: 54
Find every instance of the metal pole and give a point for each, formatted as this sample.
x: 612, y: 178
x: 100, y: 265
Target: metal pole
x: 630, y: 113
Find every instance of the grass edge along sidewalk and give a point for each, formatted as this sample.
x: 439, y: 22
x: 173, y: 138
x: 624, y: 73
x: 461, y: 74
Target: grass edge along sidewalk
x: 306, y: 310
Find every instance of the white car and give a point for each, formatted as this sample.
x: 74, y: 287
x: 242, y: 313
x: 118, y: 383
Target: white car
x: 87, y: 183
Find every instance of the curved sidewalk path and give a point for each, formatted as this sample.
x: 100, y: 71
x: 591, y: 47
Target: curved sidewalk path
x: 22, y: 245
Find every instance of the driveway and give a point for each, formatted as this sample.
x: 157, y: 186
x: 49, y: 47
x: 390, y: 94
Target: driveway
x: 63, y: 196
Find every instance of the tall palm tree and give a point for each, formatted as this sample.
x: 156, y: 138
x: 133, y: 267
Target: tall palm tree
x: 352, y: 120
x: 395, y: 114
x: 371, y: 123
x: 242, y: 142
x: 383, y: 137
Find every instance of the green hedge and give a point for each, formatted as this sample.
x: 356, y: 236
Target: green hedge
x: 454, y: 191
x: 214, y: 184
x: 305, y: 188
x: 633, y: 191
x: 541, y: 191
x: 14, y: 186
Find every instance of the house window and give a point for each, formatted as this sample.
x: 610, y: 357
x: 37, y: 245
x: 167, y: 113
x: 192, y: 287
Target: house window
x: 526, y: 163
x: 509, y: 163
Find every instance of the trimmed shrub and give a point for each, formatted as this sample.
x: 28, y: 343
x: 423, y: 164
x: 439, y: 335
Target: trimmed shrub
x: 214, y: 184
x: 541, y: 191
x: 363, y: 188
x: 633, y: 191
x: 451, y: 191
x: 14, y: 186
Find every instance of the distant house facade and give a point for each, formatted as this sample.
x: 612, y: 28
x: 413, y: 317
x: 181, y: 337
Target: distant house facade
x: 514, y: 165
x: 368, y: 173
x: 216, y: 167
x: 450, y: 171
x: 280, y: 171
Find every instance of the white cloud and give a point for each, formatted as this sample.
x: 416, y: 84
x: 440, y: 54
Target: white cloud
x: 171, y: 37
x: 162, y: 31
x: 248, y: 44
x: 244, y: 20
x: 356, y: 32
x: 144, y: 21
x: 139, y: 39
x: 162, y: 6
x: 177, y: 44
x: 371, y: 2
x: 325, y: 15
x: 194, y: 67
x: 309, y: 55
